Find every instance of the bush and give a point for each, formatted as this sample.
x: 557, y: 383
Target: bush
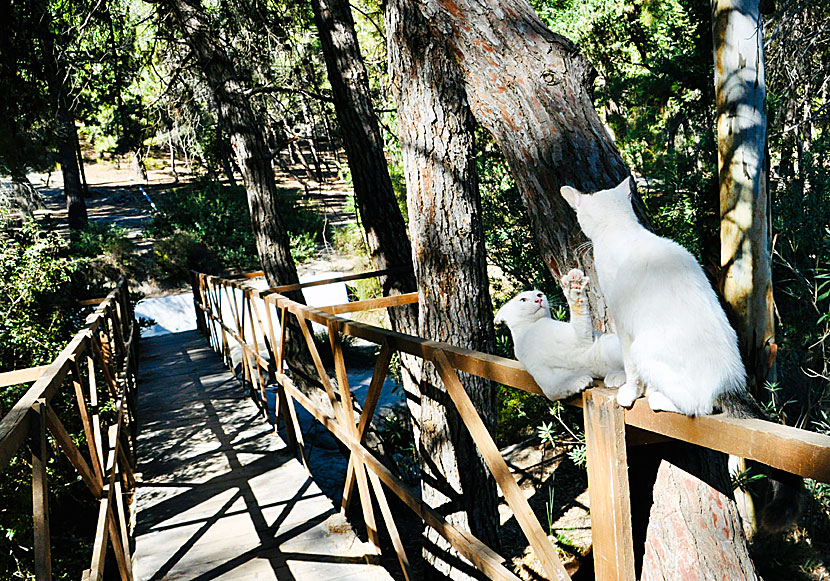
x: 208, y: 227
x: 102, y: 253
x: 34, y: 272
x: 179, y: 253
x: 37, y: 292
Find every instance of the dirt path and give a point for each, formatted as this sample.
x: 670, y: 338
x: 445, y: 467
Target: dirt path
x: 116, y: 197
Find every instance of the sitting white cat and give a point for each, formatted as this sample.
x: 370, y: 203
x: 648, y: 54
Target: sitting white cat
x: 677, y: 345
x: 563, y: 358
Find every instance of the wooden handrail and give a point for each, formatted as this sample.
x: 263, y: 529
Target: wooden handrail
x: 113, y: 320
x: 793, y: 450
x: 350, y: 277
x: 27, y: 375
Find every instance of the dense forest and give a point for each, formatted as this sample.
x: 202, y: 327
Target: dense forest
x: 450, y: 127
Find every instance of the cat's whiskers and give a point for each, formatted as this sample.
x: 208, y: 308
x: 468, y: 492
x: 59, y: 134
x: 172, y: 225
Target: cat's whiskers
x: 584, y: 248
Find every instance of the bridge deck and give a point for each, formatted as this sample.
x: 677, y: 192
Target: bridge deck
x: 219, y: 496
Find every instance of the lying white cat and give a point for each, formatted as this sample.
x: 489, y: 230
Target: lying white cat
x: 563, y: 358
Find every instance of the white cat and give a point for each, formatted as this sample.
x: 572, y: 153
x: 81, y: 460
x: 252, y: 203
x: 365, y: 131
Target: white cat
x: 676, y: 342
x: 563, y: 358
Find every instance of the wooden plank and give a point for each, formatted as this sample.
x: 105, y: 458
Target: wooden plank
x: 27, y: 375
x: 391, y: 527
x: 90, y: 302
x: 318, y: 364
x: 118, y: 534
x: 97, y: 437
x: 283, y: 333
x: 482, y: 556
x: 369, y: 406
x: 798, y: 451
x: 294, y: 287
x: 69, y: 448
x: 99, y: 547
x: 613, y: 546
x: 255, y: 346
x: 545, y: 551
x: 40, y: 492
x: 347, y: 418
x: 14, y: 426
x: 371, y: 304
x: 86, y: 420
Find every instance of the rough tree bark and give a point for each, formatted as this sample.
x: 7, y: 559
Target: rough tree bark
x: 253, y: 157
x: 58, y: 81
x: 435, y: 126
x: 379, y: 211
x: 532, y: 90
x: 740, y: 99
x: 380, y: 215
x: 247, y: 141
x: 693, y: 508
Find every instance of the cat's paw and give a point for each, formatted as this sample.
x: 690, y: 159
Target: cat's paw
x: 615, y: 379
x: 583, y: 382
x: 575, y: 284
x: 658, y: 402
x: 629, y: 392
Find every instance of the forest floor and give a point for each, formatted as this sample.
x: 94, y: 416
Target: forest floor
x: 116, y: 197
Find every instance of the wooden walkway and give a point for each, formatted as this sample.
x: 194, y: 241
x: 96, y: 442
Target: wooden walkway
x: 219, y: 496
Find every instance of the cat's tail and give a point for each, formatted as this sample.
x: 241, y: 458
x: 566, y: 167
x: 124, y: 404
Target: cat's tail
x: 785, y: 497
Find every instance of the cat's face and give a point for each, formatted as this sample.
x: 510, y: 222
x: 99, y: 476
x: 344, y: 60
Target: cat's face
x: 525, y: 307
x: 595, y: 211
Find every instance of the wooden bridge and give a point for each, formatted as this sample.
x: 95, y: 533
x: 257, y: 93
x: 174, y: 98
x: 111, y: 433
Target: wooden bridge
x: 221, y: 496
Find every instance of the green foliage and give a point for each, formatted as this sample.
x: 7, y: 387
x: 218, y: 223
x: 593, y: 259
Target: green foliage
x: 36, y: 289
x: 34, y: 269
x: 508, y: 235
x: 398, y: 441
x: 207, y: 227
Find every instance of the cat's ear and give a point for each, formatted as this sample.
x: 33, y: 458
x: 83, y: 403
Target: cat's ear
x: 572, y: 196
x: 627, y: 186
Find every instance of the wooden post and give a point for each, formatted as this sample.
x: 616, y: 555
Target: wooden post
x: 372, y: 397
x: 40, y: 492
x: 195, y: 284
x: 69, y: 448
x: 608, y: 485
x: 545, y: 551
x: 390, y: 524
x: 281, y: 365
x: 347, y: 419
x: 97, y: 438
x: 86, y: 420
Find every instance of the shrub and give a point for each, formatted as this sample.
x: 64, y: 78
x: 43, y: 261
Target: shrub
x: 208, y: 227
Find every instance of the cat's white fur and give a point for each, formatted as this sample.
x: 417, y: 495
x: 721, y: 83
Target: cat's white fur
x: 677, y: 344
x: 563, y: 358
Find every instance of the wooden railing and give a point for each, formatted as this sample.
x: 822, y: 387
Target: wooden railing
x: 104, y: 348
x: 260, y: 339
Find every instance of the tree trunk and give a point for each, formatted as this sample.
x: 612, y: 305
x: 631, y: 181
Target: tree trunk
x: 379, y: 211
x: 58, y: 80
x: 377, y: 206
x: 435, y: 126
x: 740, y: 97
x: 693, y: 507
x: 532, y: 90
x: 254, y: 159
